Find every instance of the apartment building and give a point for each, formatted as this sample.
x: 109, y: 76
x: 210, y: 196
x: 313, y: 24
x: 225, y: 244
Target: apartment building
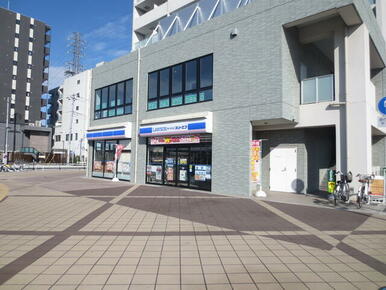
x: 72, y: 117
x: 23, y: 80
x: 299, y: 80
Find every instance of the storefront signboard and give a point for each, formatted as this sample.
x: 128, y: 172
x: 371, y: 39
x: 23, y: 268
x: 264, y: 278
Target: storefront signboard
x: 382, y: 105
x: 174, y: 128
x: 183, y: 139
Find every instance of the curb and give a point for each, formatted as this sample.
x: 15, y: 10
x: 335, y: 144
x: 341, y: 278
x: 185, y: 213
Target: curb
x: 3, y: 192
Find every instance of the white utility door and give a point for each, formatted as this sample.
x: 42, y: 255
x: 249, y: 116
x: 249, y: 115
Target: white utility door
x: 283, y: 169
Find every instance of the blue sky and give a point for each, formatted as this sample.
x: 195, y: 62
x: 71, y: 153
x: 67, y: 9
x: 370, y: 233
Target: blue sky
x: 105, y: 26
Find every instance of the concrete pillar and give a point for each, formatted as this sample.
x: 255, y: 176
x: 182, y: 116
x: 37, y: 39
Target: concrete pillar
x: 359, y: 155
x: 340, y: 96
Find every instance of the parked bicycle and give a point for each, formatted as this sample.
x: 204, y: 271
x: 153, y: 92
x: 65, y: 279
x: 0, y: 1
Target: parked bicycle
x: 342, y: 189
x: 363, y: 195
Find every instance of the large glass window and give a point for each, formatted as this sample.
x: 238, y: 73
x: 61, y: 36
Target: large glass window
x: 186, y: 165
x: 191, y: 75
x: 153, y: 85
x: 164, y: 82
x: 114, y: 100
x: 97, y: 99
x: 181, y: 84
x: 206, y: 71
x: 177, y: 79
x: 104, y: 162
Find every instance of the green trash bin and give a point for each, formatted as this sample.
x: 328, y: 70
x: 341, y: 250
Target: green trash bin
x: 331, y: 180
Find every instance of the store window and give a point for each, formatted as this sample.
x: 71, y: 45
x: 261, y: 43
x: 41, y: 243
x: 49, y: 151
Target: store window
x: 104, y: 163
x: 114, y: 100
x: 183, y: 165
x: 181, y: 84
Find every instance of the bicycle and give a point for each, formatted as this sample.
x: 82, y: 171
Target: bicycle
x: 363, y: 194
x: 342, y: 189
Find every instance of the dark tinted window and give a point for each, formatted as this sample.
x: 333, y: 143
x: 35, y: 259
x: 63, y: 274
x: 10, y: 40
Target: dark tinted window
x: 164, y: 82
x: 97, y: 99
x: 206, y: 71
x: 120, y: 94
x: 187, y: 83
x: 191, y: 75
x: 177, y: 79
x: 114, y: 100
x: 112, y: 95
x: 129, y: 91
x: 105, y: 97
x: 153, y: 85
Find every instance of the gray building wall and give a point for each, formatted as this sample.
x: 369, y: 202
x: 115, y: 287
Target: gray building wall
x: 256, y: 78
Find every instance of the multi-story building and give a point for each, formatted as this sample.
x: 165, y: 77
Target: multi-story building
x: 50, y: 108
x: 299, y: 79
x: 72, y: 116
x: 23, y: 77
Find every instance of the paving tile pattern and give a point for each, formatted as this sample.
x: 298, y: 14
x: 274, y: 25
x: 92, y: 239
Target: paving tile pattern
x: 169, y: 238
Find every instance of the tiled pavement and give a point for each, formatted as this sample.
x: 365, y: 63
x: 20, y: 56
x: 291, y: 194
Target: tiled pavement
x: 59, y: 230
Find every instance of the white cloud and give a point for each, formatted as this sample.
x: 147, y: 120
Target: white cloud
x: 56, y: 76
x: 118, y: 29
x: 99, y: 46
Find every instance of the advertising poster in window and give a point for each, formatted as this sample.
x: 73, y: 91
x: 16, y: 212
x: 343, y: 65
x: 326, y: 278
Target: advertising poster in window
x: 154, y: 172
x: 183, y: 175
x: 202, y: 172
x: 109, y: 167
x: 124, y: 166
x: 98, y: 166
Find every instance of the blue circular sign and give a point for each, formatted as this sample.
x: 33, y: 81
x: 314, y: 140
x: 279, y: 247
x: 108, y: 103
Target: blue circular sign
x: 382, y: 106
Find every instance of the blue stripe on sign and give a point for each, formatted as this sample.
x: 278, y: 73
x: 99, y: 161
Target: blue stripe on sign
x: 196, y: 126
x: 145, y: 130
x: 105, y: 134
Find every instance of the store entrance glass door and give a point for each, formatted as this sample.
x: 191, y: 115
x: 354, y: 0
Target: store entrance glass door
x: 170, y: 166
x: 182, y: 166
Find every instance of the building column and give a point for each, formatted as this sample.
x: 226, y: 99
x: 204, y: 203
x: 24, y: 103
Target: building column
x: 340, y: 97
x: 359, y: 155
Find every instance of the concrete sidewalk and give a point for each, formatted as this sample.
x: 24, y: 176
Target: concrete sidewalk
x: 60, y: 230
x: 321, y: 201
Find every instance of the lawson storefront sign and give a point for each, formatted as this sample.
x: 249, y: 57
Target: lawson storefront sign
x: 175, y: 128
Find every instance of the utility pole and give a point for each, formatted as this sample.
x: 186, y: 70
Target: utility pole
x: 14, y: 137
x: 76, y: 51
x: 71, y: 98
x: 5, y: 156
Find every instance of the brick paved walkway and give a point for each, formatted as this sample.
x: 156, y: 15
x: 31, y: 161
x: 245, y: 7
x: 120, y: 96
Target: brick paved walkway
x: 59, y: 230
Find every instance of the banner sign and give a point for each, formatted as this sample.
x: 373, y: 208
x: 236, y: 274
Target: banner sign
x: 118, y: 151
x: 183, y: 139
x: 256, y: 161
x: 174, y: 128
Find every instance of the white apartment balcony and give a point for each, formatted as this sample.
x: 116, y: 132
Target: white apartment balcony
x: 154, y: 10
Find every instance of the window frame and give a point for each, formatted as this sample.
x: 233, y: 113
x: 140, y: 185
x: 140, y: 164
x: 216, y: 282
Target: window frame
x: 171, y: 96
x: 116, y: 107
